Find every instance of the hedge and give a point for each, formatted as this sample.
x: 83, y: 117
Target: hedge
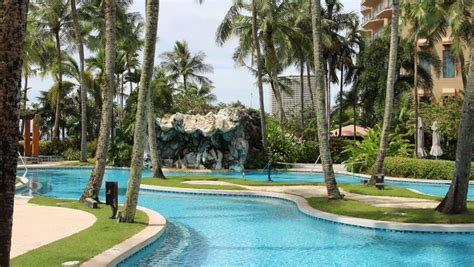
x: 421, y: 168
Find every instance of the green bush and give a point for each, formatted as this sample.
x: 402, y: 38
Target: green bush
x: 420, y: 168
x: 91, y: 148
x: 46, y: 148
x: 338, y: 145
x: 72, y: 154
x: 364, y: 153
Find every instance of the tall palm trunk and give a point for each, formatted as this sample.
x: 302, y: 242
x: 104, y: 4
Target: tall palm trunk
x: 329, y: 177
x: 25, y: 99
x: 302, y: 94
x: 60, y: 86
x: 415, y: 89
x: 341, y: 90
x: 310, y: 89
x: 256, y: 43
x: 273, y: 70
x: 154, y: 151
x: 133, y: 187
x: 13, y: 25
x: 95, y: 181
x: 82, y: 84
x: 389, y: 94
x: 456, y: 198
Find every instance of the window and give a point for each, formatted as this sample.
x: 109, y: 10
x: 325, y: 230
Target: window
x: 448, y: 64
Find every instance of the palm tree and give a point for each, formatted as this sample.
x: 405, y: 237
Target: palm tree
x: 462, y: 32
x: 180, y: 63
x: 82, y: 84
x: 456, y: 199
x: 133, y: 187
x: 258, y: 54
x: 95, y: 181
x: 329, y: 177
x: 13, y: 24
x: 275, y: 33
x: 427, y: 20
x: 53, y: 19
x: 389, y: 94
x: 351, y: 43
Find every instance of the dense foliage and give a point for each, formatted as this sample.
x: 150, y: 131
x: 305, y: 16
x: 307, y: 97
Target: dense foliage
x: 421, y: 168
x: 363, y: 153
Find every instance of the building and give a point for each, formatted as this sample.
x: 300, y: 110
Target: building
x: 292, y: 101
x: 378, y: 13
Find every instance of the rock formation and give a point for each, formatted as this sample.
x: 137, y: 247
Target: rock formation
x: 211, y: 141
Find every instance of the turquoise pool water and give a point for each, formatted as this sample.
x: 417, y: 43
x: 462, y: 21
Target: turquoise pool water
x: 255, y: 231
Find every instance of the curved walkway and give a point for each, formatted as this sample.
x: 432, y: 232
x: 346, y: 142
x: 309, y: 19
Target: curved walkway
x: 308, y: 191
x: 35, y: 226
x: 305, y: 208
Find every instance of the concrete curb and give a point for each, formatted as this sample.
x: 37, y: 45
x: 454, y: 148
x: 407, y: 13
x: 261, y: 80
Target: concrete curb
x: 305, y: 208
x: 119, y: 252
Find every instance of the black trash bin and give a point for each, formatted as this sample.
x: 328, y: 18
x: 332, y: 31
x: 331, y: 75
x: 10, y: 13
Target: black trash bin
x: 379, y: 181
x: 111, y: 196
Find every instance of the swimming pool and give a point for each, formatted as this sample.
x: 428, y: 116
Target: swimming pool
x: 231, y: 230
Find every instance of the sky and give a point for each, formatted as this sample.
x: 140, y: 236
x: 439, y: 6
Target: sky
x: 197, y: 24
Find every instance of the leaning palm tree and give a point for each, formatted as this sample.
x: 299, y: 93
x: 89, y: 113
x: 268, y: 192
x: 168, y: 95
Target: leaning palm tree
x: 462, y: 31
x: 13, y: 24
x: 53, y: 19
x: 133, y: 187
x: 95, y: 181
x: 82, y: 84
x: 389, y: 94
x: 180, y: 63
x: 329, y: 177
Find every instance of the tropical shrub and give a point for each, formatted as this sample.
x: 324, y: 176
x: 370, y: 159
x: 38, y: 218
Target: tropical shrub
x: 421, y: 168
x: 72, y: 154
x: 91, y: 148
x: 362, y: 154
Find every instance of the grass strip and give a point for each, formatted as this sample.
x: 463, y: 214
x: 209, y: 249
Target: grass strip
x: 354, y: 208
x: 177, y: 181
x: 102, y: 235
x: 389, y: 191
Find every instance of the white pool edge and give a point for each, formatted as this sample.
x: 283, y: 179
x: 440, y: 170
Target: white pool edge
x: 116, y: 254
x: 304, y: 207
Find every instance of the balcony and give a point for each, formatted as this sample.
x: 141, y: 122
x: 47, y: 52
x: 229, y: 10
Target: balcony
x: 372, y: 22
x: 370, y: 3
x: 384, y: 10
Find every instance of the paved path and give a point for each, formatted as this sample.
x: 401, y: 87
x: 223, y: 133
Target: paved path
x: 35, y: 226
x: 320, y: 191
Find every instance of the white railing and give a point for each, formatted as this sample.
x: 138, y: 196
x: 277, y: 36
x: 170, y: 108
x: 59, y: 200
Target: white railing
x: 24, y: 165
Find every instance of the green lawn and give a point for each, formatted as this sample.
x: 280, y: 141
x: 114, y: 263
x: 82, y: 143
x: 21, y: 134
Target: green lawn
x: 359, y: 209
x: 177, y: 181
x: 391, y: 191
x: 102, y: 235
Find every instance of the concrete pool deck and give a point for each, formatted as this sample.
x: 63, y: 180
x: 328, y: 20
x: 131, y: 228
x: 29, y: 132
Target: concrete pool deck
x: 308, y: 191
x: 35, y: 226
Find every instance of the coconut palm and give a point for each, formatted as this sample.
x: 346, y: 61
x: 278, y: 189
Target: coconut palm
x: 274, y: 33
x: 180, y: 63
x: 351, y: 43
x: 82, y: 84
x: 427, y: 20
x: 325, y: 152
x: 53, y: 20
x: 389, y: 94
x: 133, y: 187
x: 108, y: 84
x: 462, y: 26
x: 13, y: 24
